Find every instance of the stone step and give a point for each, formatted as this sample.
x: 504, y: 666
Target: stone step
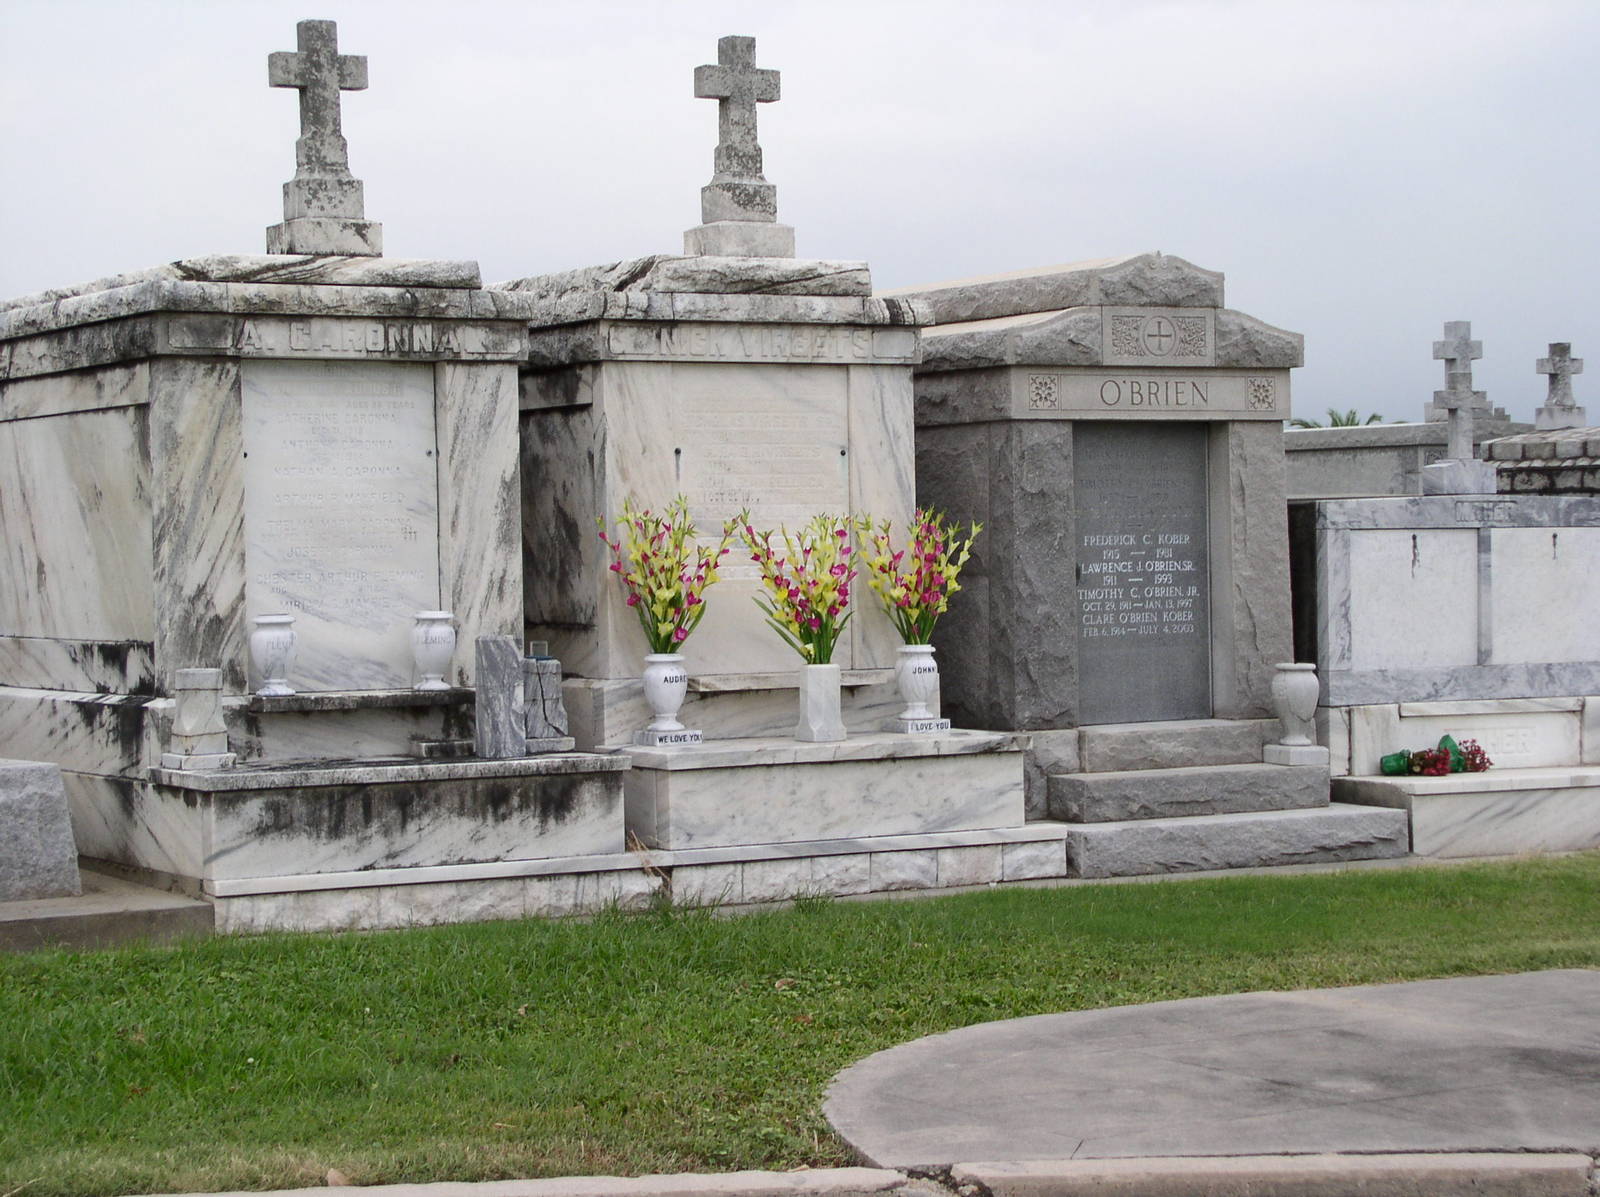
x: 1239, y: 841
x: 1173, y: 793
x: 1116, y: 747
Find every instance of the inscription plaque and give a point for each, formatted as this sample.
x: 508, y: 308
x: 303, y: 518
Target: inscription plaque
x: 1143, y: 577
x: 341, y: 514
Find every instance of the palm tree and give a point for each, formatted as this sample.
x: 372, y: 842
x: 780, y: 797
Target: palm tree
x: 1338, y: 419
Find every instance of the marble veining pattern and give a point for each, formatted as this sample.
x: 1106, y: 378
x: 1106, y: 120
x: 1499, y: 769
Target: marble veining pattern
x: 89, y: 733
x: 199, y: 518
x: 100, y: 666
x: 75, y: 505
x: 373, y: 826
x: 480, y: 532
x: 80, y: 391
x: 761, y: 804
x: 1506, y: 822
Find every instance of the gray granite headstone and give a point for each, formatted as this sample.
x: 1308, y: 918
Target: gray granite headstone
x: 500, y: 731
x: 38, y: 856
x: 1144, y: 621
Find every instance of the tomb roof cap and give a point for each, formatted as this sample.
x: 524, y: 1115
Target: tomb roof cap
x: 1135, y: 280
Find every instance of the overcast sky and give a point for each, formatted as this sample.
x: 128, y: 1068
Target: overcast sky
x: 1361, y: 172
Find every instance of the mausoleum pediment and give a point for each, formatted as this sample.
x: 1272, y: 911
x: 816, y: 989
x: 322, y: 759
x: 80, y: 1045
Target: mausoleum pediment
x: 1137, y: 280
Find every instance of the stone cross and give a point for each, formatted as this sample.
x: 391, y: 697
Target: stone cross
x: 323, y: 206
x: 737, y: 86
x: 1560, y: 366
x: 1458, y: 400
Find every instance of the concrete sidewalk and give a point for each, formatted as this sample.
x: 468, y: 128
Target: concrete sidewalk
x: 1476, y: 1064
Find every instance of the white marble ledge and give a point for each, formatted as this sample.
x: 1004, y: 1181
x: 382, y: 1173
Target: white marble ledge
x: 1489, y: 706
x: 299, y: 774
x: 140, y: 298
x: 786, y: 679
x: 1406, y: 513
x: 651, y: 858
x: 736, y: 754
x: 1545, y: 777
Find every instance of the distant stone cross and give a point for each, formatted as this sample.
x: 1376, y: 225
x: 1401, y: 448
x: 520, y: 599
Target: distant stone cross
x: 737, y: 86
x: 1560, y: 366
x: 321, y: 73
x: 1458, y: 351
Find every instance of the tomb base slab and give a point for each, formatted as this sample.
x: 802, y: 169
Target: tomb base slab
x: 774, y: 791
x: 1498, y: 813
x: 341, y: 817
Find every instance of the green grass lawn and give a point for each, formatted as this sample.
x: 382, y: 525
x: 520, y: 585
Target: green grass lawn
x: 666, y: 1041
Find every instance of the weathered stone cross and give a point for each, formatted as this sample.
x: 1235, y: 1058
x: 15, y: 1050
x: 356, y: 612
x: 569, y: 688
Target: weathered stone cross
x: 1458, y: 351
x: 323, y: 206
x: 320, y: 72
x: 737, y: 86
x: 1560, y: 366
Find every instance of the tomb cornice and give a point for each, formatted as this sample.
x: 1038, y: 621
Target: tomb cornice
x: 702, y: 275
x: 1081, y: 336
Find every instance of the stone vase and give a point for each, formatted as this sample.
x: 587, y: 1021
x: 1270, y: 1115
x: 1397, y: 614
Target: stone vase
x: 272, y: 650
x: 820, y: 721
x: 1294, y: 697
x: 666, y: 682
x: 433, y: 643
x: 916, y: 674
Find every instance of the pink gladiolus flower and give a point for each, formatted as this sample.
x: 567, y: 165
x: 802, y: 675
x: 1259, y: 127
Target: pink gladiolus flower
x: 681, y: 634
x: 633, y: 600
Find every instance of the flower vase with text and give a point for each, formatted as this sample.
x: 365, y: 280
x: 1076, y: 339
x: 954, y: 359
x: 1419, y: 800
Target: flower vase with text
x: 433, y: 643
x: 807, y: 577
x: 665, y: 573
x: 914, y: 585
x: 272, y: 651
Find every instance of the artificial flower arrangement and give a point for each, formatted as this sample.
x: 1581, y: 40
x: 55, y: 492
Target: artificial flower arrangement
x: 807, y: 577
x: 915, y: 584
x: 665, y: 569
x: 1448, y: 757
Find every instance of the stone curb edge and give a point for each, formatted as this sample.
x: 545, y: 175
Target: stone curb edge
x: 1422, y: 1174
x: 1399, y: 1174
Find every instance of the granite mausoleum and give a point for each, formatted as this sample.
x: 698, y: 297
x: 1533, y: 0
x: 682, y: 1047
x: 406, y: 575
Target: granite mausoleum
x: 1118, y: 432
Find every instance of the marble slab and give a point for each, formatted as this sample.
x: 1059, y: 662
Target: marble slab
x: 269, y: 823
x: 1513, y: 736
x: 75, y: 503
x: 1498, y: 813
x: 785, y: 441
x: 341, y: 514
x: 715, y: 795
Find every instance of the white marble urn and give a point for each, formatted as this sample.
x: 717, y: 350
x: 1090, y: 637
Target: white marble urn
x: 1294, y: 697
x: 666, y: 682
x: 820, y: 721
x: 916, y: 673
x: 272, y: 650
x: 433, y: 643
